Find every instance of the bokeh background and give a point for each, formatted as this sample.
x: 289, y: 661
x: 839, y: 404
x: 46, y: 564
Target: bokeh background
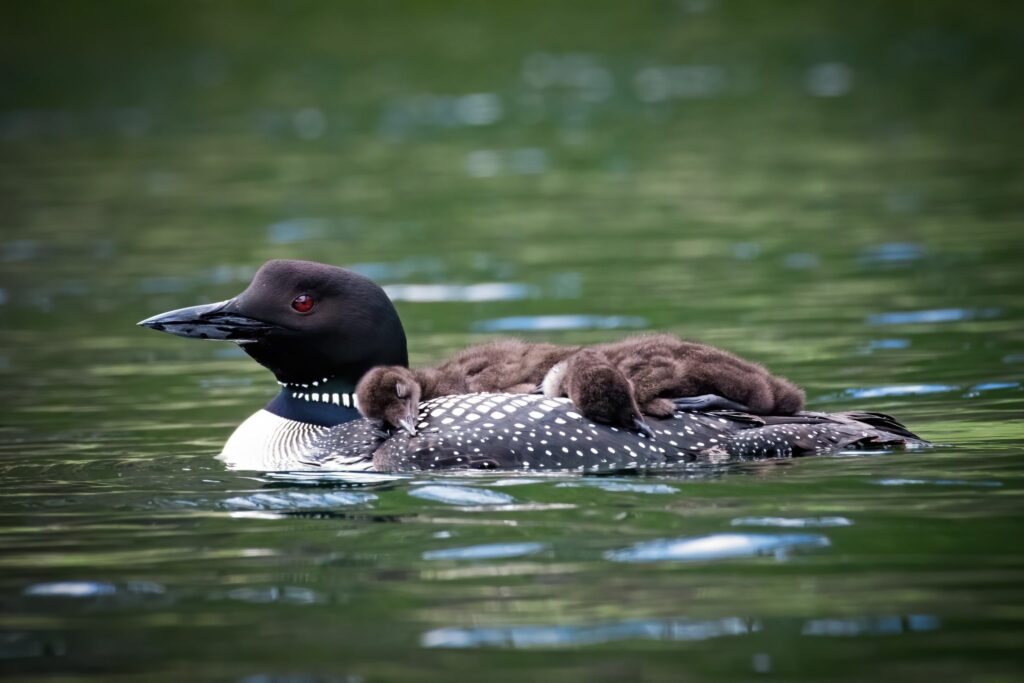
x: 834, y: 189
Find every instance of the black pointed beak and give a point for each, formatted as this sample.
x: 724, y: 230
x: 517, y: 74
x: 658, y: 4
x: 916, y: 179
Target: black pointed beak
x: 210, y: 321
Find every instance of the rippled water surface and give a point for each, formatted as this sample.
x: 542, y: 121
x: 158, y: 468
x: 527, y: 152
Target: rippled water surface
x: 834, y: 190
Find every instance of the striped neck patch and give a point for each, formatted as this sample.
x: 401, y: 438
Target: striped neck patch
x: 321, y: 391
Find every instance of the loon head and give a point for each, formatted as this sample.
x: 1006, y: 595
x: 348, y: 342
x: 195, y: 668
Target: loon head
x: 303, y: 321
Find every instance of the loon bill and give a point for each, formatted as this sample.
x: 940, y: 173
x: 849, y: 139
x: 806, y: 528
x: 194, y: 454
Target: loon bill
x: 319, y: 329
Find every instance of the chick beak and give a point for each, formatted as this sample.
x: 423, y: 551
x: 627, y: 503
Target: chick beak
x: 641, y: 426
x: 408, y: 423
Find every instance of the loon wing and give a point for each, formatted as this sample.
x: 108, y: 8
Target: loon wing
x: 883, y: 422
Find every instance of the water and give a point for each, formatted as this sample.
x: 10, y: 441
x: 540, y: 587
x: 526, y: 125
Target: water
x: 831, y: 189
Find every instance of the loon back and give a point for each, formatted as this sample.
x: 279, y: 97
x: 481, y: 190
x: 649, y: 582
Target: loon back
x: 531, y: 432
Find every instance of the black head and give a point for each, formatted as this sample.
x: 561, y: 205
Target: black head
x: 303, y: 321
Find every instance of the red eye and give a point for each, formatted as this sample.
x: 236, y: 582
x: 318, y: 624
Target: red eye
x: 303, y: 303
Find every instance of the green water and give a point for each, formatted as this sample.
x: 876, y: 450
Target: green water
x: 833, y: 189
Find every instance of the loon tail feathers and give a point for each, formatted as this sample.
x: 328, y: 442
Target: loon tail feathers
x: 883, y: 422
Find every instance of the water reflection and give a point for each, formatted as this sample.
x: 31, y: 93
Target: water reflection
x: 460, y: 495
x: 919, y: 389
x: 939, y: 315
x: 71, y: 589
x: 938, y: 482
x: 681, y: 629
x: 334, y: 478
x: 994, y: 386
x: 886, y: 344
x: 92, y: 589
x: 893, y: 253
x: 488, y: 163
x: 794, y: 522
x: 297, y: 500
x: 903, y: 390
x: 829, y: 79
x: 294, y: 595
x: 522, y: 637
x: 683, y: 82
x: 296, y: 230
x: 405, y: 115
x: 619, y: 486
x: 490, y: 551
x: 484, y: 291
x: 581, y: 74
x: 875, y: 626
x: 301, y: 678
x: 14, y: 645
x: 521, y: 323
x: 717, y: 547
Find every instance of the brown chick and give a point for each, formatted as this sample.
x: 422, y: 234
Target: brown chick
x: 668, y: 373
x: 390, y: 394
x: 598, y: 389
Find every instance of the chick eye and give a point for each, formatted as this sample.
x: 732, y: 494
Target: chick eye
x: 303, y: 303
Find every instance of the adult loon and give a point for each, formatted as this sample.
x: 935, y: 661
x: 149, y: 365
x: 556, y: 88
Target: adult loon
x: 320, y: 328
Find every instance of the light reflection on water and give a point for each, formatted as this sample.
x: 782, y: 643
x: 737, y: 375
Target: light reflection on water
x: 802, y: 522
x: 484, y: 291
x: 922, y: 389
x: 613, y: 486
x: 539, y: 323
x: 561, y: 636
x: 461, y: 495
x: 680, y: 629
x: 297, y: 500
x: 941, y: 315
x: 491, y: 551
x: 718, y: 547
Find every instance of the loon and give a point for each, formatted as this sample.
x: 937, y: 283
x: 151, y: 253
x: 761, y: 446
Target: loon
x: 319, y: 329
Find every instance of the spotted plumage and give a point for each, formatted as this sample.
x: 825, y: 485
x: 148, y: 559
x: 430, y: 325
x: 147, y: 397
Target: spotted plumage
x: 531, y: 432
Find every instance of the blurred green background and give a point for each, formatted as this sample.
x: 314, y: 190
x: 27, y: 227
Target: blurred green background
x: 833, y: 189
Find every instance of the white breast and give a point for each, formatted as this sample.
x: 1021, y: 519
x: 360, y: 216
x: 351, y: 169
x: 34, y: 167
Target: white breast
x: 267, y: 443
